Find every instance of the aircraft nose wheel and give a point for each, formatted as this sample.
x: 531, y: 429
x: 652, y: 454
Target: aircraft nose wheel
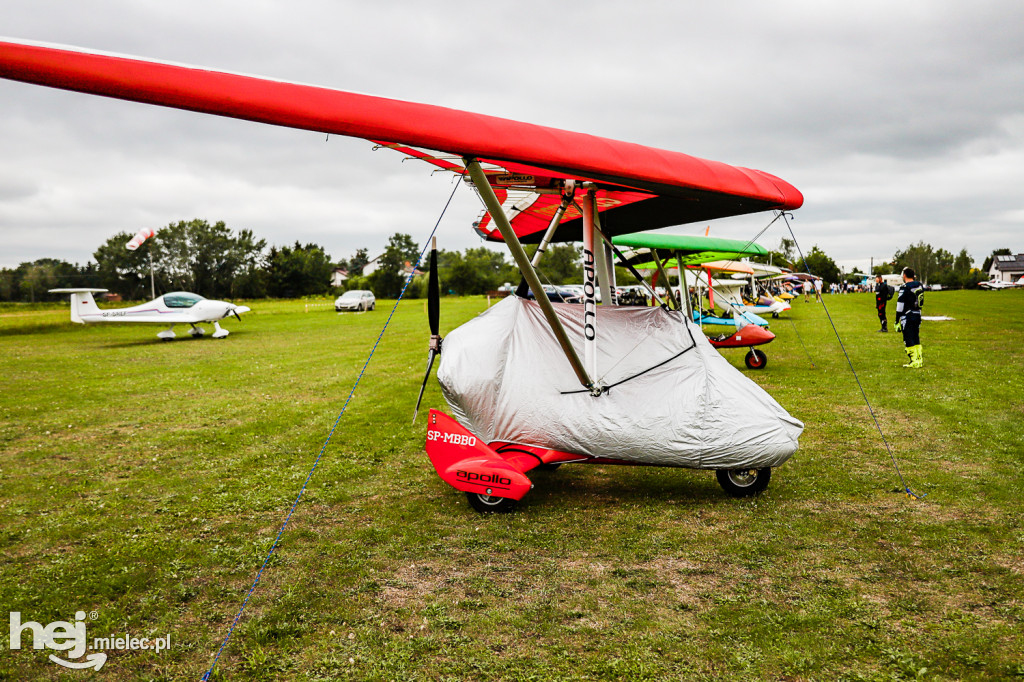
x: 490, y: 504
x: 756, y: 359
x: 743, y: 482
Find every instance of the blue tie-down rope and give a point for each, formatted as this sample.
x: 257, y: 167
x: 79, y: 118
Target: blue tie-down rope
x: 323, y: 448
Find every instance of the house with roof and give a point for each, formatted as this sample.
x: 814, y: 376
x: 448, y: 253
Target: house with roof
x: 338, y: 277
x: 1006, y: 268
x: 371, y: 266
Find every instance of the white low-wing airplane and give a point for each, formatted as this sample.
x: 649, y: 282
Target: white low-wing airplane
x: 994, y: 284
x: 179, y: 307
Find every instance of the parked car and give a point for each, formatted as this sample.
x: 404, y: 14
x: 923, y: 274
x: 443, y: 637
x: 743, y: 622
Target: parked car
x: 357, y: 299
x: 558, y: 294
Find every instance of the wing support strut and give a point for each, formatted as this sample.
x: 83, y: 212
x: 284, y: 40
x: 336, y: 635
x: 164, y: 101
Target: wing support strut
x: 567, y: 195
x: 479, y: 179
x: 604, y: 279
x: 623, y: 261
x: 590, y: 271
x: 664, y: 276
x: 684, y: 289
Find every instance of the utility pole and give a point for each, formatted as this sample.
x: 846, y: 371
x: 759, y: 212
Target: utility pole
x: 152, y: 284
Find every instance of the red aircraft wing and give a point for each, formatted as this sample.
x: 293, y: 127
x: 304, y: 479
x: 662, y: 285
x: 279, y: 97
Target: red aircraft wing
x: 675, y: 188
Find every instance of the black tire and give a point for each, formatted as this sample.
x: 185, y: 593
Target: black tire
x: 373, y: 305
x: 775, y: 315
x: 489, y: 504
x: 743, y: 482
x: 756, y: 359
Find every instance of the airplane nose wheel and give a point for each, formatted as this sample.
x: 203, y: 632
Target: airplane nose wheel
x: 756, y: 359
x: 490, y: 504
x: 743, y: 482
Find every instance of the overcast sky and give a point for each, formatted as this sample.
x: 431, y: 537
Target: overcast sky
x: 899, y: 121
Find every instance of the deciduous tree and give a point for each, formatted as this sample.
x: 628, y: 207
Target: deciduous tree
x: 299, y: 270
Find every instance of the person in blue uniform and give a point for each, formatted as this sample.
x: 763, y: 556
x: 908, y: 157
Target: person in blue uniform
x: 908, y: 316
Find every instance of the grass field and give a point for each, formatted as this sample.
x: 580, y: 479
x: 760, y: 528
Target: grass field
x: 143, y: 483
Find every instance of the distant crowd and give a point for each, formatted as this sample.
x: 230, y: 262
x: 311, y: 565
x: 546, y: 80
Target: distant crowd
x: 847, y: 288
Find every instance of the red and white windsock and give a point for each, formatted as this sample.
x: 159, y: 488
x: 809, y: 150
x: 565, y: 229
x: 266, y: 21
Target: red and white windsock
x: 141, y: 236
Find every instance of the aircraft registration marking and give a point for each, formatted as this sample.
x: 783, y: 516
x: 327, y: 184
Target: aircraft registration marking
x: 451, y: 438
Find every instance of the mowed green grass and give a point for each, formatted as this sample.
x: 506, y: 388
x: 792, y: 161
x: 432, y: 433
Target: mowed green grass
x: 145, y: 481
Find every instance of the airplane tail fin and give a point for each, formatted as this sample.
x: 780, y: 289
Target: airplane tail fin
x: 81, y: 302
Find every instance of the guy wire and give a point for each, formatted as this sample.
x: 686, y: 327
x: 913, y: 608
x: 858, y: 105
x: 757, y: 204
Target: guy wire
x: 910, y: 493
x: 280, y: 532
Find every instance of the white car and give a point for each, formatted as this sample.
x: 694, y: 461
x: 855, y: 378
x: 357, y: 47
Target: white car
x: 357, y: 299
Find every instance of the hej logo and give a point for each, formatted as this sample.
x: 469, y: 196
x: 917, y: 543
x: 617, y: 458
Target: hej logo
x: 59, y: 635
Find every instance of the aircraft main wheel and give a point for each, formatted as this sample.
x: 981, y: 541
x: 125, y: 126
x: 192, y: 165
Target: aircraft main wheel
x: 373, y: 306
x: 490, y: 504
x: 756, y: 359
x: 743, y: 482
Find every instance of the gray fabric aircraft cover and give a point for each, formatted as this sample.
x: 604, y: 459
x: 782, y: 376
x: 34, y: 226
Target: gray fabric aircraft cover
x: 679, y: 403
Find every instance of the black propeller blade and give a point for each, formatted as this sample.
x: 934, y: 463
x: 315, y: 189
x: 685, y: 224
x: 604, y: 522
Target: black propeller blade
x: 434, y: 319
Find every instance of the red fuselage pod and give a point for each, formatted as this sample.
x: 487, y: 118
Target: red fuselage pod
x: 750, y: 336
x: 467, y: 464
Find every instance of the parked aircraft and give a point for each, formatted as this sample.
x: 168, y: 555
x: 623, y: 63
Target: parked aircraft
x: 649, y: 388
x: 996, y: 284
x: 179, y: 307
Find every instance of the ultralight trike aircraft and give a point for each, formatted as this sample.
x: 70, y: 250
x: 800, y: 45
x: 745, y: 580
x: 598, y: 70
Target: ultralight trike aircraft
x: 694, y: 257
x: 530, y: 383
x: 177, y: 307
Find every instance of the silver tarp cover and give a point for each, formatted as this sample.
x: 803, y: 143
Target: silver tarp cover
x: 506, y: 379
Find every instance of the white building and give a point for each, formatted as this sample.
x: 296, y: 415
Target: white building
x: 371, y: 265
x: 1006, y: 268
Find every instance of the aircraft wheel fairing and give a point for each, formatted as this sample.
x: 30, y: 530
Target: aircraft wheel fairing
x: 490, y: 504
x: 756, y: 359
x: 743, y: 482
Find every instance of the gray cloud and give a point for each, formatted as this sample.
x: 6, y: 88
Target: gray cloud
x: 899, y: 122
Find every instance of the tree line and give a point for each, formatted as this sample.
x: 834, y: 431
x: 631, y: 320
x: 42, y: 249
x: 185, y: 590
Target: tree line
x: 214, y: 261
x: 931, y: 265
x: 195, y: 255
x: 217, y: 262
